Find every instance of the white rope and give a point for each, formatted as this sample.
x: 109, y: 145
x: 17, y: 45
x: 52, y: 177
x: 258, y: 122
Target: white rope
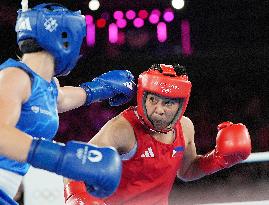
x: 24, y: 5
x: 257, y: 157
x: 241, y: 203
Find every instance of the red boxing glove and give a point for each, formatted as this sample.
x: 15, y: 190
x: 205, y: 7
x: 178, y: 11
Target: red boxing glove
x: 75, y: 193
x: 233, y: 145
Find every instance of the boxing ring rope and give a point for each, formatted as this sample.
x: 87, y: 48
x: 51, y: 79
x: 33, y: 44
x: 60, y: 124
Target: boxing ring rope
x: 253, y: 158
x: 241, y: 203
x: 257, y: 157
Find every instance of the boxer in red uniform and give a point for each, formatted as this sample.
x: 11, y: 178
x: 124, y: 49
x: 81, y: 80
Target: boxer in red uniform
x: 156, y: 143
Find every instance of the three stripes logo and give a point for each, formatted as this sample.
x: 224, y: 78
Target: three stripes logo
x: 148, y: 153
x: 128, y: 85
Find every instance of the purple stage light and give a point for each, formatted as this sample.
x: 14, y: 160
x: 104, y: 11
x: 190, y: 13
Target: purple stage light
x: 154, y: 18
x: 168, y: 15
x: 105, y: 15
x: 113, y: 33
x: 185, y: 38
x: 118, y: 15
x: 121, y: 38
x: 161, y: 32
x: 156, y: 12
x: 138, y: 22
x: 89, y: 19
x: 121, y: 23
x: 130, y: 14
x: 90, y: 38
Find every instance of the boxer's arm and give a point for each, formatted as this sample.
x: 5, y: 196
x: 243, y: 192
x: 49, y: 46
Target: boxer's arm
x: 233, y: 145
x: 15, y: 88
x: 117, y: 86
x: 117, y: 133
x: 189, y: 168
x: 69, y: 97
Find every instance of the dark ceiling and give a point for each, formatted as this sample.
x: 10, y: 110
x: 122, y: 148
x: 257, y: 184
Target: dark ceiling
x: 193, y: 8
x: 217, y: 27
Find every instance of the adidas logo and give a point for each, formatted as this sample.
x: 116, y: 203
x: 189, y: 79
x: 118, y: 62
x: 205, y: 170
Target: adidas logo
x: 148, y: 153
x: 128, y: 85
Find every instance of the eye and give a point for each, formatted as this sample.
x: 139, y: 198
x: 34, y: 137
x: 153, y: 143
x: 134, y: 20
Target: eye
x: 153, y: 100
x: 169, y: 103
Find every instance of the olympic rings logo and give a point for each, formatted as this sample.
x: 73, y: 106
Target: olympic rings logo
x: 47, y: 194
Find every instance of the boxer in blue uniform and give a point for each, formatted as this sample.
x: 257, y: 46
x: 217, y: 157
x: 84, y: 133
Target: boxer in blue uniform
x: 50, y: 37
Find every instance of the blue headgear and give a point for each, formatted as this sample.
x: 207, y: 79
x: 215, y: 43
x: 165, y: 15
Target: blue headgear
x: 57, y: 30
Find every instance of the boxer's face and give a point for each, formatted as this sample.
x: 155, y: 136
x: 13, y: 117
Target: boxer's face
x: 161, y: 111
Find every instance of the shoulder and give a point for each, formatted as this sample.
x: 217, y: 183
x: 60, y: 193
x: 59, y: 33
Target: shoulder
x: 187, y: 128
x: 119, y: 125
x: 14, y: 73
x: 118, y: 133
x: 186, y: 122
x: 17, y: 81
x: 127, y: 135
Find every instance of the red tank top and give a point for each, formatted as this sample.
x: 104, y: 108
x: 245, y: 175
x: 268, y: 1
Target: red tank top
x: 148, y: 176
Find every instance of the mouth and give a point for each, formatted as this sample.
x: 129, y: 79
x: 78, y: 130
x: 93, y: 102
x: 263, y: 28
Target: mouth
x: 158, y: 123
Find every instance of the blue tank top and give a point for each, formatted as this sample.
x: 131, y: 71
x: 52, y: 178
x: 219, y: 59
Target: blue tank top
x: 39, y: 115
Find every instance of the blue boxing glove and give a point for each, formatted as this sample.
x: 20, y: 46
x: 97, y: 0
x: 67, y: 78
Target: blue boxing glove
x: 118, y: 86
x: 99, y: 167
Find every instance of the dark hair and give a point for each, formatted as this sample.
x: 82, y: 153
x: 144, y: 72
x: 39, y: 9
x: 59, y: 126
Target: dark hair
x: 180, y: 69
x: 29, y: 46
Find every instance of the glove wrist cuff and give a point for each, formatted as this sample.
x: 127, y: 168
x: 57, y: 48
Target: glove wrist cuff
x: 212, y: 162
x: 41, y: 156
x: 89, y: 94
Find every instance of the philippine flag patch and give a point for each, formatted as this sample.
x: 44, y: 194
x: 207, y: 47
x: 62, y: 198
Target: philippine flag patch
x: 177, y: 150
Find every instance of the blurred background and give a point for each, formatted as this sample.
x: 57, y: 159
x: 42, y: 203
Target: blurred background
x: 225, y: 47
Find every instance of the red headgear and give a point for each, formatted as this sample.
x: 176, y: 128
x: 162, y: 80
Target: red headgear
x: 164, y: 82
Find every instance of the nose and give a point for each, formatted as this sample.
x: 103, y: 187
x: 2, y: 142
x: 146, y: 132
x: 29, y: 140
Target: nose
x: 159, y: 109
